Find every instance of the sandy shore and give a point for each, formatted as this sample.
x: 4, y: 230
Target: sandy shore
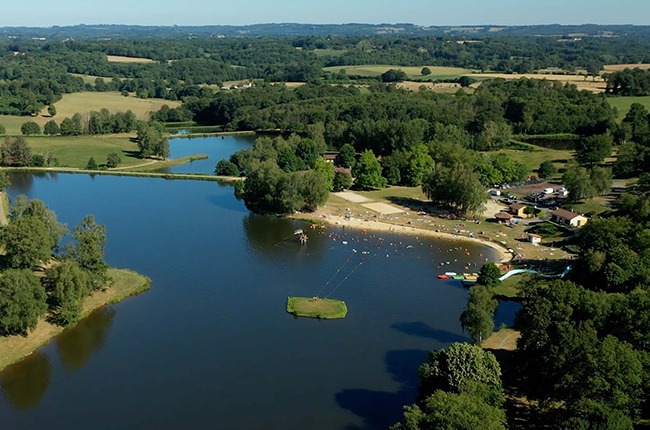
x: 504, y: 255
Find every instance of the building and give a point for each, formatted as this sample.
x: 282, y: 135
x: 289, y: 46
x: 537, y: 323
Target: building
x: 565, y: 217
x: 503, y: 216
x: 534, y: 238
x: 518, y: 209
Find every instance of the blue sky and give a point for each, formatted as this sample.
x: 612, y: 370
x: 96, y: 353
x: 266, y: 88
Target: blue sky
x: 236, y: 12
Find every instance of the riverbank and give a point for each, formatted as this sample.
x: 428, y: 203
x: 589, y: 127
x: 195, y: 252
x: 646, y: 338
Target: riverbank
x: 126, y: 283
x: 181, y: 176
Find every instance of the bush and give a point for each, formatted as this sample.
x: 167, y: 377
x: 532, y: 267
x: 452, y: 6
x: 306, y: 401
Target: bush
x: 30, y: 128
x: 226, y: 168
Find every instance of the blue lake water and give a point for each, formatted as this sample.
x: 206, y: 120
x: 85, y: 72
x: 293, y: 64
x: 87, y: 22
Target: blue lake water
x: 211, y: 345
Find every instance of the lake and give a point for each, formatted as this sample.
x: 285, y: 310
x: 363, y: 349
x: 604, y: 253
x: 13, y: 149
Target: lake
x: 211, y: 345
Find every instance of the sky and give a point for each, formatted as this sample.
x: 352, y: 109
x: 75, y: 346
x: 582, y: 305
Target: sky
x: 45, y: 13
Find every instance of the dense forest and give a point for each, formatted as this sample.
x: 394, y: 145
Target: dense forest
x: 35, y: 73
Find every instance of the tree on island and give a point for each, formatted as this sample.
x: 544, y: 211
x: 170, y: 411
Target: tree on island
x: 88, y: 251
x: 22, y: 301
x: 27, y: 242
x: 67, y: 285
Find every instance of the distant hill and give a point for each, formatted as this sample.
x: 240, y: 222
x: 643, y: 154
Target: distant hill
x: 318, y: 30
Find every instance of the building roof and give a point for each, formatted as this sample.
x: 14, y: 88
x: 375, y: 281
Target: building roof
x: 503, y: 215
x: 534, y: 235
x: 564, y: 214
x: 516, y: 206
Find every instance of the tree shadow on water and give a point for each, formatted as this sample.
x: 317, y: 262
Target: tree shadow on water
x: 381, y: 409
x: 420, y: 329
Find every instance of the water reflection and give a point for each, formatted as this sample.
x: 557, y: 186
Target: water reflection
x: 77, y: 344
x: 22, y: 182
x: 24, y: 383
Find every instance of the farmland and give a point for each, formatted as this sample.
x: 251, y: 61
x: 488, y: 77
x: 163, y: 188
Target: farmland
x: 413, y: 72
x: 121, y: 59
x: 622, y: 104
x: 85, y: 102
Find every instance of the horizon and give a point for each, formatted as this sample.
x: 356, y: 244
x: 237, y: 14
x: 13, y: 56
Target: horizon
x: 436, y: 13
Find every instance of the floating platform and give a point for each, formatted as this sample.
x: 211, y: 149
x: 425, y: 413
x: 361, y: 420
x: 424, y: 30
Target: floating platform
x: 316, y: 307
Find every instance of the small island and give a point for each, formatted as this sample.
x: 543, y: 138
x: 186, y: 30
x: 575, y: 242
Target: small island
x: 46, y: 287
x: 316, y: 307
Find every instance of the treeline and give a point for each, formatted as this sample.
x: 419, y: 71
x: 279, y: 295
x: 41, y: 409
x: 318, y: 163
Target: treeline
x: 629, y: 82
x: 32, y: 241
x: 388, y: 119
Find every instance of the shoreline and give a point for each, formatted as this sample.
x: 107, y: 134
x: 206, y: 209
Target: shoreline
x: 15, y: 348
x: 505, y: 256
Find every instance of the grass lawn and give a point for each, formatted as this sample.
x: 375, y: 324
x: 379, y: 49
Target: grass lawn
x: 505, y: 338
x: 329, y: 52
x: 90, y: 79
x: 74, y: 151
x: 125, y: 283
x: 413, y: 72
x: 622, y: 104
x: 533, y: 158
x: 319, y: 308
x: 84, y: 103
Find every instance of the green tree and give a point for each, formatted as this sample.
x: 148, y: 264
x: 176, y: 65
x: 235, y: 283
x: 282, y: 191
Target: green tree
x: 460, y: 364
x: 67, y: 285
x: 27, y: 242
x: 15, y: 152
x: 342, y: 181
x: 5, y: 182
x: 88, y: 251
x: 226, y: 168
x: 314, y: 189
x: 478, y: 317
x: 419, y: 164
x: 578, y: 183
x: 346, y: 156
x: 30, y: 128
x: 393, y: 75
x: 546, y: 169
x: 23, y: 207
x: 425, y: 71
x: 69, y: 127
x: 594, y: 149
x: 289, y: 161
x: 3, y: 130
x: 113, y: 160
x: 327, y: 170
x: 51, y: 128
x: 367, y: 172
x: 457, y: 187
x: 151, y: 140
x: 489, y: 275
x: 601, y: 180
x: 91, y: 164
x: 590, y: 415
x: 51, y: 110
x: 493, y: 135
x: 22, y: 301
x: 308, y: 151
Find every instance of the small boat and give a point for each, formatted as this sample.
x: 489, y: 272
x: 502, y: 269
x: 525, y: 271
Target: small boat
x: 450, y: 274
x: 458, y: 277
x: 443, y: 276
x: 468, y: 282
x: 471, y: 277
x: 297, y: 232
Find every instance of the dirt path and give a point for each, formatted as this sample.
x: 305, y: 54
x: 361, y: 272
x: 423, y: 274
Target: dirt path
x: 3, y: 210
x: 148, y: 163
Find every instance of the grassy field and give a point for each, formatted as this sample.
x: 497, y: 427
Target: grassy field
x: 74, y: 151
x: 84, y: 103
x: 533, y: 158
x: 622, y: 104
x: 505, y: 338
x: 329, y: 52
x: 121, y: 59
x: 90, y: 79
x: 618, y: 67
x: 319, y: 308
x: 125, y: 283
x: 589, y: 84
x: 411, y: 71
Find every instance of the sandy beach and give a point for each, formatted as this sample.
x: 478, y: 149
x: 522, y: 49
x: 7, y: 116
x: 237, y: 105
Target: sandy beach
x: 374, y: 225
